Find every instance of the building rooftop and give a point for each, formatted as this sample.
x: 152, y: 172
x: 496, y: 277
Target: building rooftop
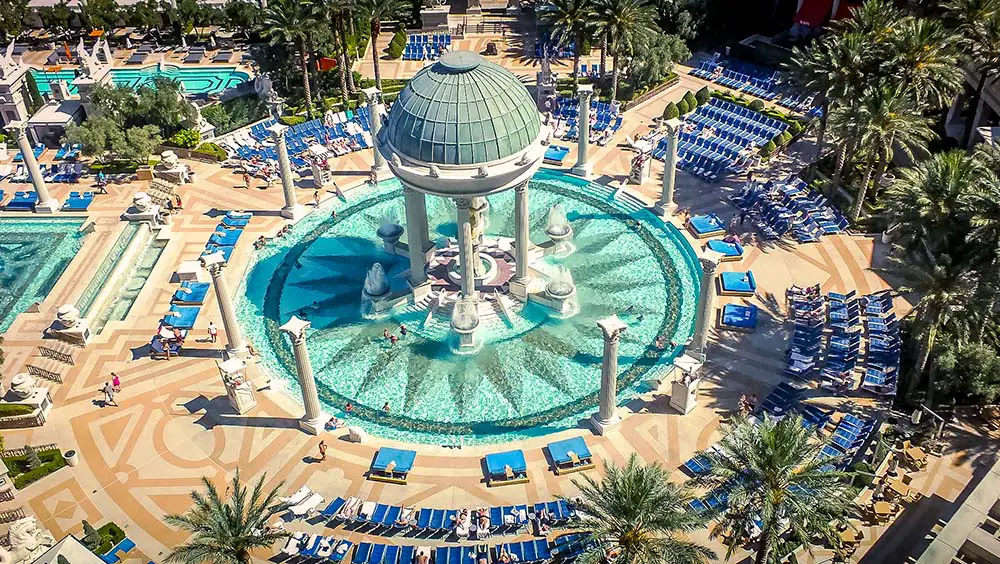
x: 60, y: 113
x: 462, y: 110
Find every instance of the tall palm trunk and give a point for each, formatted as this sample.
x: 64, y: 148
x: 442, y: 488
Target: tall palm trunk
x: 883, y: 165
x: 923, y: 356
x: 342, y: 74
x: 604, y: 53
x: 766, y: 540
x: 304, y: 61
x: 313, y: 71
x: 347, y: 57
x: 842, y: 153
x: 614, y: 75
x: 977, y: 111
x: 821, y: 134
x: 576, y: 60
x: 373, y: 35
x: 862, y: 193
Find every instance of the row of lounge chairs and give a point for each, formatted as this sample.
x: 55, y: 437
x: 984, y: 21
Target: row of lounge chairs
x: 26, y: 201
x: 422, y: 47
x: 760, y: 82
x: 37, y: 150
x: 781, y: 209
x: 547, y: 49
x: 847, y: 440
x: 67, y: 151
x: 882, y: 349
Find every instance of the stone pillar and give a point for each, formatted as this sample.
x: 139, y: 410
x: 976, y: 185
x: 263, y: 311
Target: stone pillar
x: 314, y: 421
x: 522, y: 242
x: 465, y: 256
x: 291, y: 209
x: 582, y: 167
x: 606, y: 417
x: 46, y: 203
x: 709, y: 264
x: 415, y: 221
x: 374, y: 97
x: 665, y: 207
x: 235, y: 343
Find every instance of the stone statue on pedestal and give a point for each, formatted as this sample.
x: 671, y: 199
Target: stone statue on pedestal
x: 27, y: 542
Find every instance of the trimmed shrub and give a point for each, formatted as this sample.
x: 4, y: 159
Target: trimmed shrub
x: 784, y: 138
x: 110, y: 535
x: 235, y: 113
x: 768, y: 149
x: 212, y: 150
x: 396, y: 45
x: 757, y: 106
x: 692, y: 102
x: 10, y: 410
x: 795, y: 127
x: 185, y: 139
x: 31, y: 456
x: 703, y: 95
x: 292, y: 120
x: 682, y: 107
x: 671, y: 112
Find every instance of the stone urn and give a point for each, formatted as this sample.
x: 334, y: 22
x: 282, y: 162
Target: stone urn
x: 142, y: 202
x: 68, y: 316
x: 71, y: 457
x: 21, y: 385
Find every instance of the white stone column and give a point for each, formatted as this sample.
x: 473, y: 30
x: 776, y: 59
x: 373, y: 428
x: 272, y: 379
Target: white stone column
x: 236, y: 345
x: 465, y: 256
x: 665, y: 206
x: 46, y: 203
x: 583, y: 167
x: 291, y: 209
x: 522, y: 242
x: 709, y: 264
x: 374, y: 97
x: 415, y: 238
x: 606, y: 416
x: 314, y: 421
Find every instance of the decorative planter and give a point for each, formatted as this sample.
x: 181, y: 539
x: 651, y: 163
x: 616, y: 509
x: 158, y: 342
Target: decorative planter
x: 71, y: 457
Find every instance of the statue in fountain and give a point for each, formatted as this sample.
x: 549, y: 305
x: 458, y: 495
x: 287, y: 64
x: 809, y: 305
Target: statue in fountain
x: 389, y: 230
x: 375, y: 293
x: 560, y: 231
x: 561, y: 292
x: 480, y: 218
x: 464, y: 321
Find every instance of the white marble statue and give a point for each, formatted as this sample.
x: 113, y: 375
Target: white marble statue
x: 27, y: 542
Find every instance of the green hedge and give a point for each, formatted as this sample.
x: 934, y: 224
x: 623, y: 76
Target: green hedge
x: 111, y: 534
x: 10, y: 410
x: 212, y: 150
x: 52, y: 460
x: 185, y: 139
x: 670, y: 111
x: 682, y: 106
x: 396, y: 45
x: 767, y: 149
x: 703, y: 95
x: 292, y: 120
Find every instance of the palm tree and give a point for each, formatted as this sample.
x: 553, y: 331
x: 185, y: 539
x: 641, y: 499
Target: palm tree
x: 638, y: 513
x: 889, y: 120
x: 375, y: 11
x: 289, y: 21
x: 627, y: 22
x: 925, y: 56
x: 978, y: 24
x: 945, y: 285
x: 984, y: 236
x: 776, y: 481
x: 930, y: 200
x: 875, y: 19
x: 571, y: 22
x: 226, y: 531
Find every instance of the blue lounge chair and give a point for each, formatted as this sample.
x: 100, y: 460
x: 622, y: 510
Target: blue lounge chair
x: 708, y: 225
x: 729, y: 251
x: 570, y: 455
x: 22, y: 201
x: 334, y: 508
x: 225, y: 237
x: 506, y: 468
x: 78, y: 201
x: 555, y: 155
x: 181, y: 317
x: 191, y: 293
x: 341, y: 550
x: 738, y: 318
x: 392, y: 465
x: 235, y: 223
x: 361, y: 553
x: 737, y: 284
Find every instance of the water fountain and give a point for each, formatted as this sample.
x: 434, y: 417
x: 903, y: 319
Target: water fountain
x: 375, y: 293
x: 389, y: 230
x: 561, y: 292
x: 464, y: 321
x: 560, y: 231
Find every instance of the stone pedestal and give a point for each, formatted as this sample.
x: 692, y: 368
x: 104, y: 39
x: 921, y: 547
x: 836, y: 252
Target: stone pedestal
x: 69, y: 326
x: 522, y: 243
x: 606, y: 416
x: 314, y: 421
x: 684, y: 395
x: 239, y: 388
x: 583, y: 166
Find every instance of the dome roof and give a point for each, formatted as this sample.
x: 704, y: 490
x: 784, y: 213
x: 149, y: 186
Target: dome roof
x: 462, y: 110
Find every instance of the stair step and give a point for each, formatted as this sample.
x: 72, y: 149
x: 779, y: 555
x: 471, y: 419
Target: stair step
x: 59, y: 350
x: 45, y: 367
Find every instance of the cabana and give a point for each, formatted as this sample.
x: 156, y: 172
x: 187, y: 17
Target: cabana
x: 191, y: 293
x: 737, y: 284
x: 78, y: 202
x: 570, y: 455
x: 506, y: 468
x: 392, y: 465
x: 729, y: 251
x: 181, y: 317
x: 738, y: 318
x: 707, y: 225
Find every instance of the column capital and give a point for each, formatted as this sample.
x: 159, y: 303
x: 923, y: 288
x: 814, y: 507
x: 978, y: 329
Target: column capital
x: 278, y: 130
x: 296, y: 329
x: 709, y: 264
x: 584, y: 92
x: 522, y: 187
x: 372, y: 95
x: 18, y: 128
x: 612, y: 327
x: 673, y: 126
x: 463, y: 203
x: 213, y: 262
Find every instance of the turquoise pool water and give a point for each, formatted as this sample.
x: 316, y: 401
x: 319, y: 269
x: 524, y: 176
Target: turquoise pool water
x: 535, y: 375
x: 196, y: 80
x: 33, y: 255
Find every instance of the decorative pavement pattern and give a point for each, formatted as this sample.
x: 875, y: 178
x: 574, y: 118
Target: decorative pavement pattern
x: 141, y: 460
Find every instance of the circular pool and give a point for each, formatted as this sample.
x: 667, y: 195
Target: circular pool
x: 535, y: 373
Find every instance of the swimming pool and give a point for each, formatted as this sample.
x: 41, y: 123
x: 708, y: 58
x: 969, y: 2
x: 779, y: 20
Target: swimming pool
x: 196, y: 80
x: 33, y: 255
x: 535, y: 374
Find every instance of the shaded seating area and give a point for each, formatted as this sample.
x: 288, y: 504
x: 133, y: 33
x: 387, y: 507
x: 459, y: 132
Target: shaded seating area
x: 570, y: 455
x: 424, y: 46
x: 78, y: 201
x: 555, y: 155
x: 392, y: 465
x: 789, y: 208
x: 191, y: 293
x: 734, y: 317
x: 706, y: 225
x: 730, y: 251
x: 737, y: 284
x: 506, y: 468
x: 181, y: 316
x: 160, y: 348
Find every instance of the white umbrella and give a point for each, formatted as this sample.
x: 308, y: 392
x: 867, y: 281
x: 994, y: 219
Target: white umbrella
x: 184, y: 43
x: 128, y: 43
